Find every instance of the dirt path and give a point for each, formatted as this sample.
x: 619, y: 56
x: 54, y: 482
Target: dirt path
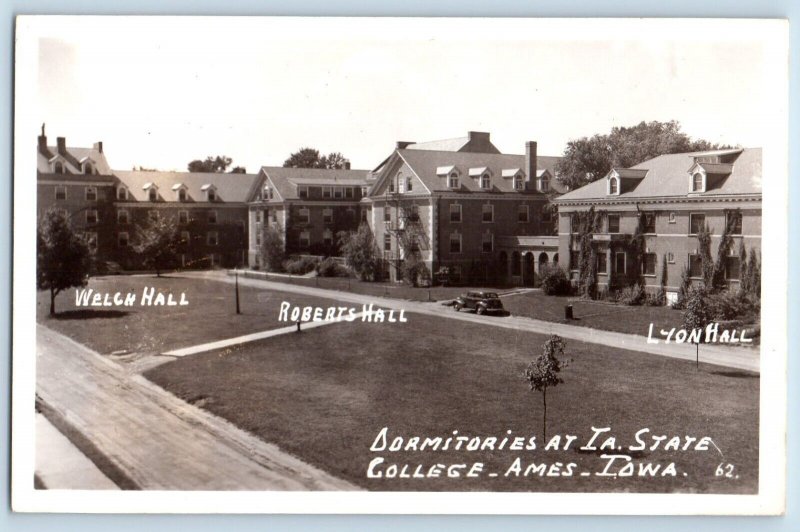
x: 732, y: 357
x: 155, y: 439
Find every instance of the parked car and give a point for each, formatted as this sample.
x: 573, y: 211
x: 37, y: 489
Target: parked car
x: 480, y: 302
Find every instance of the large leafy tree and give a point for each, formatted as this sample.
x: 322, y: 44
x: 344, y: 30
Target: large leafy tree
x: 360, y: 252
x: 311, y: 158
x: 157, y: 244
x: 218, y: 164
x: 272, y: 249
x: 589, y: 158
x: 63, y: 258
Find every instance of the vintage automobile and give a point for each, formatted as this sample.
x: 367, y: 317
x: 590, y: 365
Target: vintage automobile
x: 480, y: 302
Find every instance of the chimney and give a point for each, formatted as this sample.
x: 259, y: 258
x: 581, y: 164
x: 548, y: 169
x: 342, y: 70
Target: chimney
x: 480, y: 136
x: 62, y: 145
x: 347, y: 165
x: 530, y: 164
x: 403, y: 144
x: 43, y: 145
x: 98, y: 146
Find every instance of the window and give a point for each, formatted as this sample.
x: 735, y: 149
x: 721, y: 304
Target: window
x: 546, y: 215
x: 61, y: 192
x: 452, y: 181
x: 337, y: 192
x: 613, y: 186
x: 152, y: 194
x: 518, y: 183
x: 649, y: 222
x: 649, y: 264
x: 327, y: 237
x: 185, y: 237
x: 363, y: 192
x: 212, y: 217
x: 574, y: 260
x: 620, y: 262
x: 181, y: 194
x: 122, y: 193
x: 259, y: 216
x: 455, y: 243
x: 602, y: 262
x: 697, y: 182
x: 695, y: 266
x: 302, y: 192
x: 488, y: 213
x: 522, y: 214
x: 58, y: 168
x: 91, y: 240
x: 487, y: 244
x: 544, y: 184
x: 401, y: 185
x: 305, y: 239
x: 733, y: 220
x: 183, y: 217
x: 304, y: 216
x: 613, y: 223
x: 327, y: 216
x: 88, y: 168
x: 122, y: 240
x: 732, y: 268
x: 91, y: 194
x: 696, y: 223
x: 387, y: 242
x: 412, y: 213
x: 212, y: 238
x: 91, y: 216
x: 152, y: 215
x: 455, y: 213
x: 387, y: 214
x: 211, y: 194
x: 391, y: 185
x: 670, y: 257
x: 486, y: 182
x: 122, y: 217
x: 672, y: 218
x: 409, y: 185
x: 348, y: 192
x: 327, y: 192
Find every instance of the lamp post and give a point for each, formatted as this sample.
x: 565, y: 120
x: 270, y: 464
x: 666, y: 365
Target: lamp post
x: 236, y: 277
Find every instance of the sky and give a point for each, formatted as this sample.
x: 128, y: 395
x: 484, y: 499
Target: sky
x: 161, y: 92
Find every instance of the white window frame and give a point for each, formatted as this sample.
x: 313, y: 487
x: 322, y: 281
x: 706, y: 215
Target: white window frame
x: 183, y: 214
x: 211, y: 194
x: 644, y: 264
x: 96, y: 216
x: 349, y: 193
x: 544, y: 184
x: 672, y: 218
x: 327, y: 215
x: 123, y: 213
x: 300, y: 214
x: 616, y: 183
x: 124, y: 194
x: 453, y: 181
x: 338, y: 193
x: 690, y: 221
x: 670, y: 257
x: 702, y: 182
x: 152, y: 194
x: 487, y: 179
x: 86, y: 192
x: 64, y: 188
x: 213, y: 217
x: 608, y: 223
x: 491, y: 242
x: 483, y: 219
x: 88, y: 166
x: 527, y: 214
x: 519, y: 182
x: 182, y: 194
x: 460, y: 244
x: 327, y: 237
x: 387, y: 242
x: 304, y: 239
x: 327, y: 192
x: 302, y: 191
x: 460, y: 213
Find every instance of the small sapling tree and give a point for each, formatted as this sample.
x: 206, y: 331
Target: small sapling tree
x: 62, y: 257
x: 543, y: 372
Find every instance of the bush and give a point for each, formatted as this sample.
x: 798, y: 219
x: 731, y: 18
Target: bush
x: 330, y: 268
x: 657, y: 299
x: 300, y: 266
x: 731, y: 305
x: 555, y: 282
x: 416, y: 273
x: 632, y: 295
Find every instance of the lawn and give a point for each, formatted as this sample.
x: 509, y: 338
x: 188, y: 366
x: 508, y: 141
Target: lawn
x: 595, y: 314
x: 209, y: 316
x: 324, y: 395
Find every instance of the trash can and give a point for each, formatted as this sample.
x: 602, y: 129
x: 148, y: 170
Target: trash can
x: 568, y: 312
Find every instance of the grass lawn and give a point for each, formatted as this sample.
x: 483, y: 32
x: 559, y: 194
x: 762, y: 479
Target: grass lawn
x: 324, y: 395
x: 598, y: 315
x: 209, y: 316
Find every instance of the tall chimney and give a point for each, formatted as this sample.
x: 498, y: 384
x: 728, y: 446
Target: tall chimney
x: 530, y: 165
x: 98, y: 146
x: 61, y: 142
x: 43, y: 145
x: 347, y: 165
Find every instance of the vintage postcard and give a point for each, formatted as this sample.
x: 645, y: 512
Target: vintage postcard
x: 364, y: 265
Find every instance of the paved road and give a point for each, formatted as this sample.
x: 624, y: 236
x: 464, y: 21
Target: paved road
x: 157, y: 440
x: 733, y: 357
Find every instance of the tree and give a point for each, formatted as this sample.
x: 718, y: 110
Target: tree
x: 754, y: 275
x: 360, y: 252
x: 698, y: 313
x: 744, y: 271
x: 684, y: 290
x: 310, y: 158
x: 588, y: 159
x: 216, y: 165
x: 543, y: 372
x: 272, y: 249
x: 157, y: 244
x: 704, y: 249
x: 63, y: 258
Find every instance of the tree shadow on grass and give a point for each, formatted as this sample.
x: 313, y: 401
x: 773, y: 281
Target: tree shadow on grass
x: 87, y: 314
x: 736, y: 374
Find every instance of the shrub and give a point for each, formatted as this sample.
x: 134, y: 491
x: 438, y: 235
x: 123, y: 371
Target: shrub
x: 555, y: 282
x: 632, y: 295
x: 330, y: 268
x: 731, y: 305
x: 657, y: 299
x: 299, y: 266
x: 416, y: 273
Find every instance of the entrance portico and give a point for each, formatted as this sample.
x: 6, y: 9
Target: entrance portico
x: 524, y: 258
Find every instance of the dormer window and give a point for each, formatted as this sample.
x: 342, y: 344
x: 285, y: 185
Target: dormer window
x: 180, y: 191
x: 211, y: 192
x: 58, y: 168
x: 544, y: 184
x: 486, y: 182
x: 519, y: 184
x: 697, y: 182
x: 122, y: 193
x: 613, y: 186
x: 152, y: 191
x: 88, y: 168
x: 268, y: 192
x: 452, y: 180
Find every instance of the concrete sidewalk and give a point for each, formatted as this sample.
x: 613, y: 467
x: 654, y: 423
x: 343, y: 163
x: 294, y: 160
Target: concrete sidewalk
x: 156, y: 440
x: 732, y: 357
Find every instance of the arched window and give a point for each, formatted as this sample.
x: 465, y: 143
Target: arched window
x: 58, y: 168
x: 181, y: 194
x: 697, y: 182
x: 152, y: 194
x: 88, y: 168
x: 453, y: 180
x: 518, y: 182
x: 544, y: 184
x: 122, y: 194
x: 486, y: 181
x: 613, y: 186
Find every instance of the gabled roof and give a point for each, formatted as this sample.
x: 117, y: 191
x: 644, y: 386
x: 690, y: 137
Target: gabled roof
x: 286, y: 180
x: 668, y: 176
x: 230, y: 188
x: 440, y: 145
x: 73, y: 160
x: 426, y: 163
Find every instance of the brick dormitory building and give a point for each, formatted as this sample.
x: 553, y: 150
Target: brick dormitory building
x: 455, y: 204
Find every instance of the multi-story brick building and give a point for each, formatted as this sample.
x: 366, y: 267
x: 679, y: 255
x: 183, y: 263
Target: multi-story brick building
x: 672, y: 197
x: 462, y: 206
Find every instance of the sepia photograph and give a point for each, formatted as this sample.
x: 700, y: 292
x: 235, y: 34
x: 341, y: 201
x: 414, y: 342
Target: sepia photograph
x: 400, y: 265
